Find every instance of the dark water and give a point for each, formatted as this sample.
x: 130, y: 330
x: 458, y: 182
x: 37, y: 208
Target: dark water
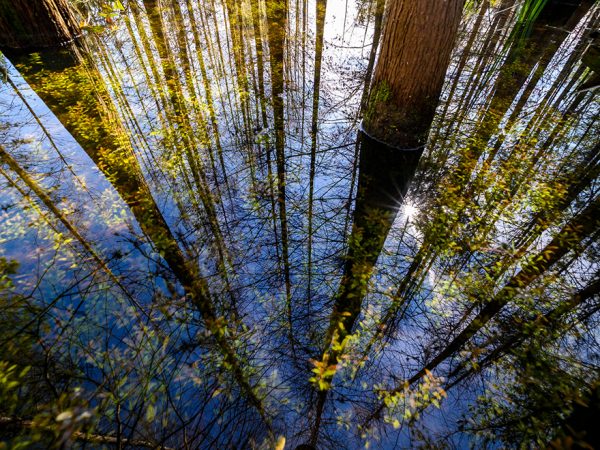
x: 180, y: 225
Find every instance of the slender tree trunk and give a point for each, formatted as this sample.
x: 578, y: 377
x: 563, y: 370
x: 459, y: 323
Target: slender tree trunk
x: 379, y: 10
x: 258, y: 43
x: 569, y: 238
x: 276, y: 30
x: 464, y: 58
x: 321, y: 13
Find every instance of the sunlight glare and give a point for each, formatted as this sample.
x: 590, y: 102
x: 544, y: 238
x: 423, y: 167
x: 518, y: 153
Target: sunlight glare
x: 410, y: 210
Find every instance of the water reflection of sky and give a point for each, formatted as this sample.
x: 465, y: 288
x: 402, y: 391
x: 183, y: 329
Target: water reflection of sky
x: 238, y: 187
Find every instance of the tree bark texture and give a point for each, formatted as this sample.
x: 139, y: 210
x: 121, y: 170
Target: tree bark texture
x: 32, y: 24
x: 415, y: 51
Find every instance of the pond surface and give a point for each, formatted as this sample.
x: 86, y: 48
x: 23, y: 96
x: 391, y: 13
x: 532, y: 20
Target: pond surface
x: 184, y: 220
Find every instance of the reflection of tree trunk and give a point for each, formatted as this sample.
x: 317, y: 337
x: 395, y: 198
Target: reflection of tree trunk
x: 478, y: 73
x: 523, y: 330
x: 545, y: 58
x: 568, y: 239
x: 256, y: 24
x: 236, y: 31
x: 28, y: 24
x: 207, y: 87
x: 321, y: 13
x: 525, y: 62
x: 106, y: 146
x: 303, y: 62
x: 401, y: 108
x: 276, y: 31
x: 456, y: 76
x: 200, y: 126
x: 384, y: 177
x: 224, y: 260
x: 189, y: 143
x: 258, y: 42
x: 379, y: 10
x: 84, y: 110
x: 181, y: 134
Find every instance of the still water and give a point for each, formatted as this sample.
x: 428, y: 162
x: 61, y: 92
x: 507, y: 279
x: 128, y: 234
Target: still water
x: 180, y: 224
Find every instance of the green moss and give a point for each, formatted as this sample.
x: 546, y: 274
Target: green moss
x: 380, y: 95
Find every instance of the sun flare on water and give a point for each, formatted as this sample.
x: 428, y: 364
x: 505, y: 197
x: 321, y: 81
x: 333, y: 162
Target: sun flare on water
x: 410, y: 210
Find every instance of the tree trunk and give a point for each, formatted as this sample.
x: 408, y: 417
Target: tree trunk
x: 415, y: 52
x: 386, y: 171
x: 379, y: 10
x: 277, y: 13
x: 401, y: 108
x: 31, y: 24
x: 321, y: 14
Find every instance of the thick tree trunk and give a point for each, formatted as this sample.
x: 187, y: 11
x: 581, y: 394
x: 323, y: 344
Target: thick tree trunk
x: 385, y: 170
x: 31, y: 24
x: 415, y: 52
x: 401, y: 107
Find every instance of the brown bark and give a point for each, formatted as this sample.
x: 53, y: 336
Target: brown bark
x: 27, y: 24
x: 385, y: 171
x: 415, y: 51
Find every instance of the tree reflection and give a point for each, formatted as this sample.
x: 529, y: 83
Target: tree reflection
x: 211, y: 254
